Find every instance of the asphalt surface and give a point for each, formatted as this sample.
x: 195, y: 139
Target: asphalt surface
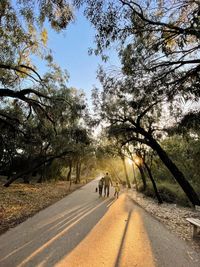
x: 83, y: 230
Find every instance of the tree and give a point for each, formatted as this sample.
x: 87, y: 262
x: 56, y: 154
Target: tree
x: 156, y: 67
x: 40, y: 141
x: 160, y: 37
x: 44, y: 121
x: 133, y: 116
x: 123, y: 158
x: 156, y: 39
x: 142, y: 174
x: 22, y: 38
x: 142, y: 155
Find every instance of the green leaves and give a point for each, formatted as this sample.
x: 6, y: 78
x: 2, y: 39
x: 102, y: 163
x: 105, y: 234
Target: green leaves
x: 23, y: 35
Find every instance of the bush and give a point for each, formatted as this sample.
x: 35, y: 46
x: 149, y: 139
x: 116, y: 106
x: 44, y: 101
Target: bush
x: 149, y: 190
x: 169, y: 192
x: 141, y: 188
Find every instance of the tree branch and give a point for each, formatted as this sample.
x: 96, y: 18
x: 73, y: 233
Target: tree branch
x: 156, y: 23
x: 20, y: 94
x: 17, y: 68
x: 145, y: 111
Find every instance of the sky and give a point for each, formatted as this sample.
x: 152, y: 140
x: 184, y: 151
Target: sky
x: 70, y: 51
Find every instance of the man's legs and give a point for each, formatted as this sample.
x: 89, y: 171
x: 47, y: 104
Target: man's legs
x: 108, y: 190
x: 104, y: 190
x: 100, y: 191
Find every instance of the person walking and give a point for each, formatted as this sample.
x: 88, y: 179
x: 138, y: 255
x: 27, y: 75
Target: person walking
x: 107, y: 183
x: 100, y: 185
x: 117, y: 189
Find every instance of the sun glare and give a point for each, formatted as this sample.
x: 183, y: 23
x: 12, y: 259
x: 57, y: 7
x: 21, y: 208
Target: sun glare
x: 129, y: 161
x: 137, y: 160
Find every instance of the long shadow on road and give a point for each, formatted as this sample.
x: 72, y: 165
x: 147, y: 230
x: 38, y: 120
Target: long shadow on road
x: 42, y: 231
x: 167, y: 248
x: 56, y: 239
x: 117, y: 263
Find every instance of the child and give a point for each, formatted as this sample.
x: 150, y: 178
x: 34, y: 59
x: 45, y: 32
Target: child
x: 101, y: 183
x: 117, y: 189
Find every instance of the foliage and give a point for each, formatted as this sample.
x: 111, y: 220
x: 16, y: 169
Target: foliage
x: 158, y: 49
x: 158, y: 37
x: 23, y: 34
x: 63, y: 133
x: 185, y: 152
x: 169, y: 192
x: 133, y: 116
x: 44, y: 123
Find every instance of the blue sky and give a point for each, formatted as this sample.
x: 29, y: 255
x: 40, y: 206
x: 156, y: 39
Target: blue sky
x: 70, y: 51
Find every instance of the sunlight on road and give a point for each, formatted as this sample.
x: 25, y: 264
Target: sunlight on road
x: 83, y: 230
x: 119, y: 239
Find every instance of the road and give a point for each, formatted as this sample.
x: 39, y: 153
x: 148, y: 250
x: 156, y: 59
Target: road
x: 83, y: 230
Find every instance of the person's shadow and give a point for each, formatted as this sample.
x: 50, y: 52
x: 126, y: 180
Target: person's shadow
x: 55, y: 240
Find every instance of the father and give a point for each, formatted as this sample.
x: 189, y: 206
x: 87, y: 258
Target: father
x: 107, y: 183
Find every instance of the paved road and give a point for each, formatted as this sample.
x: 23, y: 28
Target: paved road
x: 82, y: 230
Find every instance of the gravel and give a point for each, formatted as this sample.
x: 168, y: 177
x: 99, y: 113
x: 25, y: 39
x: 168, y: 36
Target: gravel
x: 172, y: 215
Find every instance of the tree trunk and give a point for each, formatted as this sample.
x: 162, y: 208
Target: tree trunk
x: 42, y: 174
x: 78, y: 171
x: 17, y: 176
x: 40, y: 180
x: 126, y: 174
x: 134, y: 177
x: 70, y: 172
x: 10, y: 168
x: 153, y: 183
x: 178, y: 175
x: 142, y: 176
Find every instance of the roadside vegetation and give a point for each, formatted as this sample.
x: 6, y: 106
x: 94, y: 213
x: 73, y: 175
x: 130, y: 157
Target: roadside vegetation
x: 18, y: 202
x: 185, y: 152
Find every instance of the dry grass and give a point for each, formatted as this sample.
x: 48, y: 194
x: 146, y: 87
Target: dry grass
x: 20, y: 201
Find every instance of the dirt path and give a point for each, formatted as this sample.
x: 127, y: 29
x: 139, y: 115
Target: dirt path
x: 82, y: 230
